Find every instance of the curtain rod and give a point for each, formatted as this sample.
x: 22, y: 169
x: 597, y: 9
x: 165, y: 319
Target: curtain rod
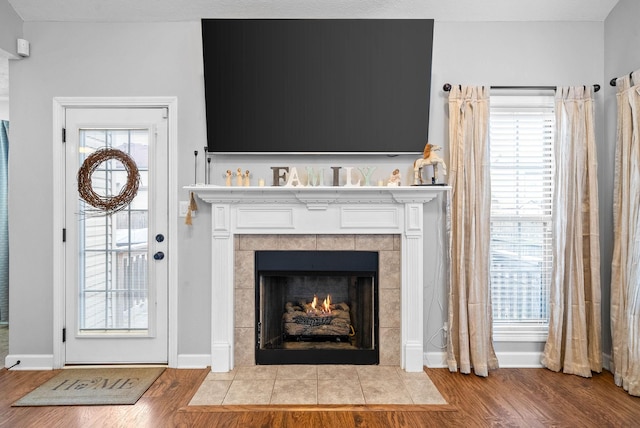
x: 613, y: 81
x: 447, y: 87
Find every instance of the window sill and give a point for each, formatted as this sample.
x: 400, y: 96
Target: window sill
x: 520, y: 332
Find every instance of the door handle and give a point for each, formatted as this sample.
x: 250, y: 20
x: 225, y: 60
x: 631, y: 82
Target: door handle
x: 159, y: 255
x: 159, y: 237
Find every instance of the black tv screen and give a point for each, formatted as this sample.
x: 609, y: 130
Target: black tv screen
x: 317, y: 86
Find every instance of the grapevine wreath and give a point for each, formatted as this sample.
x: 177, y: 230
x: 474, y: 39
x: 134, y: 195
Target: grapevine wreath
x: 109, y: 204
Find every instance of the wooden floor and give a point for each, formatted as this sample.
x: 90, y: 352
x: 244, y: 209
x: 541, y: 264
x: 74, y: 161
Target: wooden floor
x: 508, y: 397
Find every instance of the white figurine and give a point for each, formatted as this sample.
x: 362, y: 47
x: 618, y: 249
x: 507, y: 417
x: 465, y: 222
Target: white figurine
x: 430, y: 157
x: 395, y: 179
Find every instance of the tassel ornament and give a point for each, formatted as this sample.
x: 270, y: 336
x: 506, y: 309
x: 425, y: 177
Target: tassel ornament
x: 188, y: 219
x: 192, y: 203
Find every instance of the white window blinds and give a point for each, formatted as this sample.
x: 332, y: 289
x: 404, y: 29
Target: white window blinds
x: 521, y: 143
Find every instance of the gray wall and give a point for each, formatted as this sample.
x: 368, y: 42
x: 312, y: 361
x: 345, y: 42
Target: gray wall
x: 10, y: 31
x: 621, y: 56
x: 10, y: 27
x: 72, y: 59
x: 97, y: 60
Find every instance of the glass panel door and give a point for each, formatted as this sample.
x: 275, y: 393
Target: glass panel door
x: 116, y: 272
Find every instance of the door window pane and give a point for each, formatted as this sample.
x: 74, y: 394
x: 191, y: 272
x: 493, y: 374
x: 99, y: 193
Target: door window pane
x: 113, y: 289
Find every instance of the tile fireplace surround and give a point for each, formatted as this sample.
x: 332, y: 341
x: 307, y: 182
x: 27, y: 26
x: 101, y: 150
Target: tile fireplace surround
x: 384, y: 219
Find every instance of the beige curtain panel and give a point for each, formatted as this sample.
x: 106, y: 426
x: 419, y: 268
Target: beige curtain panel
x: 625, y: 268
x: 470, y: 318
x: 573, y: 344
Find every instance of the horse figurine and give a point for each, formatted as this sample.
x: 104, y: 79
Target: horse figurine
x: 430, y: 157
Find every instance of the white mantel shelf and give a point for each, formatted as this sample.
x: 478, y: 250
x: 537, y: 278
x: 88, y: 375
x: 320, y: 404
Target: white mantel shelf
x: 317, y: 210
x: 319, y: 194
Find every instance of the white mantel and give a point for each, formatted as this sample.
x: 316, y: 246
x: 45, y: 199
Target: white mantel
x: 317, y: 210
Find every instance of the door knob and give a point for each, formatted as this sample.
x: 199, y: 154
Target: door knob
x: 159, y: 237
x: 159, y: 255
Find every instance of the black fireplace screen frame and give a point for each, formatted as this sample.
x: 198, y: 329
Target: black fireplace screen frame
x: 335, y: 263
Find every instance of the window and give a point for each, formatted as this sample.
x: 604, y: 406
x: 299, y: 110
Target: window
x: 521, y: 143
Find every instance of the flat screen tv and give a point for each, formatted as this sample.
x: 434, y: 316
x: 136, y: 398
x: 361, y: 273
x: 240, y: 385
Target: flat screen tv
x: 317, y: 86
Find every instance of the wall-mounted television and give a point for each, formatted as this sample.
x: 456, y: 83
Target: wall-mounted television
x: 316, y: 85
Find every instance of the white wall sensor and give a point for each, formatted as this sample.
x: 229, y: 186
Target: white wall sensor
x: 23, y: 47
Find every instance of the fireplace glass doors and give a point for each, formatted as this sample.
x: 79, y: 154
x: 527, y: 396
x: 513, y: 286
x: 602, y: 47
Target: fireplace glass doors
x: 316, y: 307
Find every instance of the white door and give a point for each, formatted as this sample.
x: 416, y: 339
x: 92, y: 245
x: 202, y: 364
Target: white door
x: 115, y: 264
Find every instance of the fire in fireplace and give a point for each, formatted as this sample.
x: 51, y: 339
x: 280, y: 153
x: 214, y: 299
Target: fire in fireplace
x: 316, y: 307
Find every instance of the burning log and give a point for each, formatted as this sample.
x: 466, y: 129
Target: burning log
x: 304, y: 319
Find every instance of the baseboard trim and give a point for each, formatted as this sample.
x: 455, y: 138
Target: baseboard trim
x: 194, y: 361
x: 519, y: 359
x: 435, y: 360
x: 45, y: 362
x: 29, y: 361
x: 607, y: 362
x: 201, y: 361
x: 505, y: 359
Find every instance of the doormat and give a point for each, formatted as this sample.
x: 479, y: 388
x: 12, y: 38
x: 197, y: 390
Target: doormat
x: 93, y: 386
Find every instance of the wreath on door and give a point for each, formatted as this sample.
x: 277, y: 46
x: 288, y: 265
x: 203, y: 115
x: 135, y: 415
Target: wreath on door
x: 109, y: 204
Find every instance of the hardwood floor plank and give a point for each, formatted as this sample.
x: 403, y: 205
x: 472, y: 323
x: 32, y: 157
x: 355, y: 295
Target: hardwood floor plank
x: 507, y: 397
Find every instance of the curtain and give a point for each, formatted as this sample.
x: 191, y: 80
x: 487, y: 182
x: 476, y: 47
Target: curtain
x: 573, y: 344
x: 625, y: 268
x: 4, y: 222
x: 470, y: 342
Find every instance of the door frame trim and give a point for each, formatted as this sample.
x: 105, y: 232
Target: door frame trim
x: 60, y: 104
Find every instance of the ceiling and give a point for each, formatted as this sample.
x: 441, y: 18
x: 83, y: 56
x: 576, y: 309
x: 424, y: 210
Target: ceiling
x: 188, y: 10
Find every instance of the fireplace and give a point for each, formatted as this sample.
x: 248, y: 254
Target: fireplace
x: 318, y: 214
x: 316, y: 307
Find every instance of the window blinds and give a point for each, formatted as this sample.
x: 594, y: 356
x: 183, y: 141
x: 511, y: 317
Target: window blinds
x: 521, y: 144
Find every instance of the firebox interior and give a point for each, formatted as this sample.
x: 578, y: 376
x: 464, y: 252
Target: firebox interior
x: 316, y: 307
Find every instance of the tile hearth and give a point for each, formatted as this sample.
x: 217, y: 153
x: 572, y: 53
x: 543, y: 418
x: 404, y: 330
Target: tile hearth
x: 317, y: 385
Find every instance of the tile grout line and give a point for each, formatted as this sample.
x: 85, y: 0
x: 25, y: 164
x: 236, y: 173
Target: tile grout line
x: 233, y: 379
x: 226, y: 392
x: 273, y: 387
x: 364, y: 398
x: 404, y: 384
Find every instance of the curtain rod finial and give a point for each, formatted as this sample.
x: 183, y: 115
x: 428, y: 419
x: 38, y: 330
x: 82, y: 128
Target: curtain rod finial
x: 446, y: 87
